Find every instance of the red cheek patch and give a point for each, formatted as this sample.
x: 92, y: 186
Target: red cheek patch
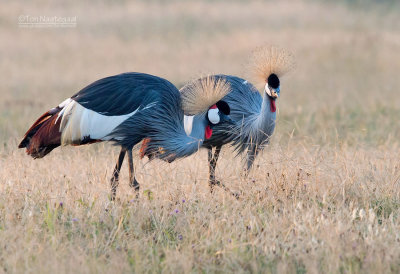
x: 208, y: 132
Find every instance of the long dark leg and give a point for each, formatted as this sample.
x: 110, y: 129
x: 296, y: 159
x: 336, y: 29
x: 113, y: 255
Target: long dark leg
x: 132, y: 180
x: 115, y: 177
x: 212, y: 162
x: 211, y: 181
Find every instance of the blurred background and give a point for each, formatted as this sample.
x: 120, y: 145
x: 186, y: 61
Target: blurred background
x: 324, y: 197
x: 344, y: 88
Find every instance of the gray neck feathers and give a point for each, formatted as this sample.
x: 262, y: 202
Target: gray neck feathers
x: 266, y: 119
x: 184, y: 145
x: 199, y: 126
x: 257, y: 127
x: 176, y: 143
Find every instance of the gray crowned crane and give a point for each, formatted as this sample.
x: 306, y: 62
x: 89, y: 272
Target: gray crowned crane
x: 253, y: 111
x: 127, y: 108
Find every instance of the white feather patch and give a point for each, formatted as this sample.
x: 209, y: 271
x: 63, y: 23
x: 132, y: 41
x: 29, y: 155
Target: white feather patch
x: 267, y: 90
x: 65, y: 102
x: 188, y: 124
x: 79, y: 122
x: 62, y: 106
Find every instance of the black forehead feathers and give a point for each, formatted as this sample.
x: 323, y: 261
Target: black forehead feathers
x: 273, y: 81
x: 223, y: 107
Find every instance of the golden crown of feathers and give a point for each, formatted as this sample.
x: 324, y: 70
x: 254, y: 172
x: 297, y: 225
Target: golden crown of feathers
x: 201, y: 94
x: 269, y: 60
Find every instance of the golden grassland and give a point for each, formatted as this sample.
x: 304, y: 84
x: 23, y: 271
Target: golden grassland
x: 323, y: 197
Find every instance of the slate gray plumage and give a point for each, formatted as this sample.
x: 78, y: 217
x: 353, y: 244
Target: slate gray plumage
x: 255, y: 123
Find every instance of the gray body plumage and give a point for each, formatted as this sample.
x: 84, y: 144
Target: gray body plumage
x: 255, y: 123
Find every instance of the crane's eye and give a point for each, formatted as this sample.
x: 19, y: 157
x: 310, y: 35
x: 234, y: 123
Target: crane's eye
x: 213, y: 115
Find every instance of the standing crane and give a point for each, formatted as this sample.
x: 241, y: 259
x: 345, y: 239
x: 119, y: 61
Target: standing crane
x: 127, y: 108
x: 253, y: 111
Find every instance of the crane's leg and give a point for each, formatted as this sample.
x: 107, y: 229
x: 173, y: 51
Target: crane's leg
x: 115, y: 177
x: 212, y: 163
x: 211, y: 181
x: 132, y: 180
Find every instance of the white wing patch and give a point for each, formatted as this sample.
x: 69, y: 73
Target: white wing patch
x: 79, y: 122
x: 188, y: 124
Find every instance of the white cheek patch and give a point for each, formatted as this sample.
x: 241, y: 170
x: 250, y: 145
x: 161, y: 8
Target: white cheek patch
x: 213, y: 115
x: 267, y: 90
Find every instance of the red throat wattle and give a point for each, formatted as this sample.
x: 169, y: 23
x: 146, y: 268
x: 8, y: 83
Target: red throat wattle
x: 208, y: 132
x: 273, y: 105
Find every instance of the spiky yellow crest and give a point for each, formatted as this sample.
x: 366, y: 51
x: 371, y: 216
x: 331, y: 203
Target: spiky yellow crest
x: 268, y: 60
x: 201, y: 94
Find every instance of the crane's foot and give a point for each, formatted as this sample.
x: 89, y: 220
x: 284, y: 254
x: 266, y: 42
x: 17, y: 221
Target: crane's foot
x: 214, y: 182
x: 136, y: 186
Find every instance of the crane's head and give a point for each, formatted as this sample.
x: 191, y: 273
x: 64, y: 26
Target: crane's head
x: 217, y: 114
x: 269, y: 64
x: 272, y: 87
x: 199, y: 95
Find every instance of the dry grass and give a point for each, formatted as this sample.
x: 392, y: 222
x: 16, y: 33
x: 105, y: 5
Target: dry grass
x: 324, y: 197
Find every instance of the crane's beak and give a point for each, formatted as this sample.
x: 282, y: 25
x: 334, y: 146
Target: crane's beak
x: 226, y: 119
x: 272, y: 92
